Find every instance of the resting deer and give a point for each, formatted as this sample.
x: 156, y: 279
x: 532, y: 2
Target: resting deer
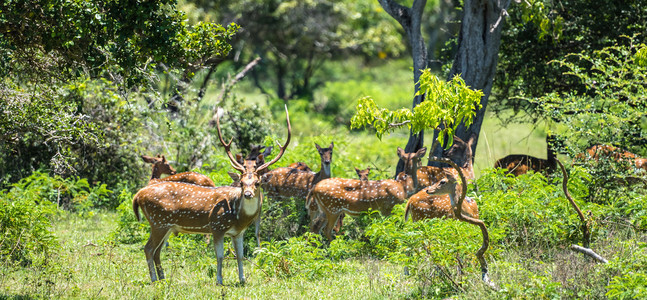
x: 423, y: 205
x: 222, y: 211
x: 617, y: 154
x: 518, y: 164
x: 448, y: 187
x: 300, y: 166
x: 460, y: 152
x: 338, y: 196
x: 161, y: 166
x: 437, y: 200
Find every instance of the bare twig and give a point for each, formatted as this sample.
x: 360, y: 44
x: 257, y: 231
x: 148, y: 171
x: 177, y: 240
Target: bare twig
x: 589, y: 252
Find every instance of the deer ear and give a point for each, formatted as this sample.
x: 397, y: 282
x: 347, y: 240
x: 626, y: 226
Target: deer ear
x: 332, y: 145
x: 234, y: 176
x: 260, y: 158
x: 421, y: 152
x: 239, y: 158
x: 318, y: 147
x: 266, y: 178
x: 148, y: 159
x: 368, y: 169
x: 400, y: 152
x: 163, y: 158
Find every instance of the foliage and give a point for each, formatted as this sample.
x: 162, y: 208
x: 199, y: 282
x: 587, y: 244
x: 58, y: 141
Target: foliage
x: 296, y: 37
x: 128, y: 229
x: 298, y: 256
x: 527, y: 47
x: 611, y: 109
x: 448, y: 104
x: 74, y: 74
x: 124, y: 39
x: 25, y: 220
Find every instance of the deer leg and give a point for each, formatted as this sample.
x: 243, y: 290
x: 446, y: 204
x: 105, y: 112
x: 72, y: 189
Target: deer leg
x: 237, y: 241
x: 330, y: 224
x: 153, y: 246
x: 219, y: 245
x: 257, y: 223
x: 156, y: 255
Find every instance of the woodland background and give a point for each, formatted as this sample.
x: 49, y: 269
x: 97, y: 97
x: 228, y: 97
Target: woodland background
x: 86, y: 87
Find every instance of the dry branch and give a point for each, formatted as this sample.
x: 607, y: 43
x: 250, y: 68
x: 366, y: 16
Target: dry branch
x: 589, y: 252
x: 459, y: 215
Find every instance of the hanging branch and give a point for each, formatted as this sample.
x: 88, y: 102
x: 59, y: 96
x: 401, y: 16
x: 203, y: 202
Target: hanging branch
x: 586, y: 233
x: 458, y: 213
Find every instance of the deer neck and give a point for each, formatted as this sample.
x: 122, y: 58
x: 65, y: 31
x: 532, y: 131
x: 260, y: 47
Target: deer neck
x: 324, y: 173
x: 156, y: 173
x: 248, y: 207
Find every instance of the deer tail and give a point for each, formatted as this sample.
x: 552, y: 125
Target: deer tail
x: 136, y: 209
x: 406, y: 212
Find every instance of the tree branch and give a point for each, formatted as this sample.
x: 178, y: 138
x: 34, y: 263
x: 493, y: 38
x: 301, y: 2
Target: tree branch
x: 589, y: 252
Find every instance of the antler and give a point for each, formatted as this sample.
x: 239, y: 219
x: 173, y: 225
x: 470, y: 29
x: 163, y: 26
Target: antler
x: 287, y: 141
x: 232, y: 159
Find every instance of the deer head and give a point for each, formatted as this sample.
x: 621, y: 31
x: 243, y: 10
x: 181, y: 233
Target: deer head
x: 326, y: 158
x: 363, y: 174
x: 411, y: 160
x: 249, y: 173
x: 160, y: 166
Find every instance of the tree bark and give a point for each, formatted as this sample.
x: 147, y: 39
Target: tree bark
x: 410, y: 20
x: 476, y: 58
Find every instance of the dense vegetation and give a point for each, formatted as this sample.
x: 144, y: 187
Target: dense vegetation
x: 86, y: 87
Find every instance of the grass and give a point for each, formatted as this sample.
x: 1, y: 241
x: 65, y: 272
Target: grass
x: 87, y: 266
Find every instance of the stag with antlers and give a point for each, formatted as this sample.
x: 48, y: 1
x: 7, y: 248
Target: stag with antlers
x: 222, y: 211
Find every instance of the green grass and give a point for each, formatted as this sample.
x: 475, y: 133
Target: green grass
x: 89, y: 267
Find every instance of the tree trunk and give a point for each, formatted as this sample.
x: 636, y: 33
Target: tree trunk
x: 410, y: 18
x: 476, y: 57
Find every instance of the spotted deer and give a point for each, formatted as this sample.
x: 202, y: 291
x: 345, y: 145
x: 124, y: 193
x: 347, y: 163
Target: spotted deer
x: 338, y: 196
x: 317, y: 226
x: 453, y: 185
x: 617, y: 154
x: 518, y: 164
x: 423, y: 205
x: 291, y: 182
x: 460, y: 152
x: 161, y: 166
x: 437, y: 200
x: 363, y: 174
x: 222, y: 211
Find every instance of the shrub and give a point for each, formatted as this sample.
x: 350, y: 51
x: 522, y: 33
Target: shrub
x: 301, y: 256
x: 25, y: 222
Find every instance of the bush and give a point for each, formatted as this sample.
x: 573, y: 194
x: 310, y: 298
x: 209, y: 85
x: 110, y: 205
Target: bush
x: 25, y: 223
x: 301, y: 256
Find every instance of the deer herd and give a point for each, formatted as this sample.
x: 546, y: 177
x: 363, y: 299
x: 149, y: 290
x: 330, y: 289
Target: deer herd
x: 190, y: 202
